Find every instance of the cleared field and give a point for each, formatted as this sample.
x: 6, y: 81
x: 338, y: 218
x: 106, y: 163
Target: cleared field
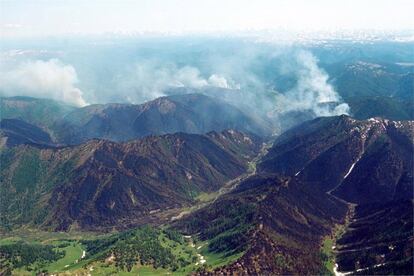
x: 74, y: 259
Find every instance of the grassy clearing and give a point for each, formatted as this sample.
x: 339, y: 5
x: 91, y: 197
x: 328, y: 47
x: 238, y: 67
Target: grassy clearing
x: 9, y: 240
x: 73, y: 252
x: 328, y: 256
x: 206, y: 197
x: 101, y: 268
x: 327, y: 250
x: 62, y: 242
x: 251, y: 167
x: 34, y: 235
x: 188, y: 253
x: 218, y: 259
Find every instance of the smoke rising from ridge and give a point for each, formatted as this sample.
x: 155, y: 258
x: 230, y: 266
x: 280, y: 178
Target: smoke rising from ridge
x: 148, y: 80
x: 44, y: 79
x: 312, y: 91
x: 236, y: 78
x: 260, y: 78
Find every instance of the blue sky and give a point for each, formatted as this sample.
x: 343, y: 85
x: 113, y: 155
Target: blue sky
x: 57, y: 17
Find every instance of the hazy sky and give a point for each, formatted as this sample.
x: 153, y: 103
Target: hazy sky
x: 55, y: 17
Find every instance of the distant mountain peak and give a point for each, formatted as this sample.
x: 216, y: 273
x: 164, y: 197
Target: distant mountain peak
x: 191, y: 113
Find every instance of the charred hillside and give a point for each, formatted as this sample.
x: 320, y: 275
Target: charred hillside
x: 274, y: 221
x: 359, y: 161
x: 101, y: 184
x: 15, y: 132
x: 379, y: 240
x: 279, y: 217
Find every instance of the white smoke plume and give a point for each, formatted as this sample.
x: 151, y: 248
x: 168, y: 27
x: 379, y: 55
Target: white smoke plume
x: 312, y: 92
x: 221, y: 82
x: 44, y: 79
x: 148, y: 80
x: 249, y: 77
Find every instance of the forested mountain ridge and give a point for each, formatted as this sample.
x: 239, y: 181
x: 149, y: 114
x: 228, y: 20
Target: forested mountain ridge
x: 100, y: 183
x: 376, y: 157
x: 190, y: 113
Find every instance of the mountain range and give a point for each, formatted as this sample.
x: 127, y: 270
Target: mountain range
x: 375, y: 157
x: 190, y: 113
x: 325, y: 172
x: 105, y: 184
x: 167, y: 189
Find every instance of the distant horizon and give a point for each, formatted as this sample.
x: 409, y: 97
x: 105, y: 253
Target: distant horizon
x: 272, y: 36
x: 26, y: 18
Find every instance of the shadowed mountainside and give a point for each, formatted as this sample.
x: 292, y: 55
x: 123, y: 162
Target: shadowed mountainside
x: 40, y: 112
x: 191, y: 113
x: 279, y: 217
x: 15, y: 132
x: 359, y: 161
x: 276, y: 222
x: 379, y: 240
x: 102, y: 183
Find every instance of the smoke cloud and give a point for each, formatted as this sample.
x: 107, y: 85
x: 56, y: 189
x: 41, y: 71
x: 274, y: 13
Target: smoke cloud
x: 44, y: 79
x: 312, y: 91
x: 148, y: 80
x: 221, y: 82
x: 272, y: 82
